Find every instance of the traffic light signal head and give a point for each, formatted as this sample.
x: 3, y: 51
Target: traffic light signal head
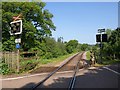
x: 98, y: 38
x: 118, y: 29
x: 16, y: 27
x: 104, y: 37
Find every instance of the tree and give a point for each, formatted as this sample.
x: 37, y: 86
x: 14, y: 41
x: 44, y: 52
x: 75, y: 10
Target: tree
x: 37, y: 23
x: 49, y: 48
x: 107, y: 49
x: 61, y: 46
x: 50, y: 45
x: 60, y: 39
x: 111, y: 48
x: 84, y: 47
x: 71, y: 46
x: 114, y: 41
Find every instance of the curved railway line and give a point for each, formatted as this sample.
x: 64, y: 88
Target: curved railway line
x: 73, y: 64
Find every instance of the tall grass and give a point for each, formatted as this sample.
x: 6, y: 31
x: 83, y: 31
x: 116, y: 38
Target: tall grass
x: 88, y: 55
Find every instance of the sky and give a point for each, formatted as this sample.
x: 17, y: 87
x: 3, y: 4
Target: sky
x: 81, y: 20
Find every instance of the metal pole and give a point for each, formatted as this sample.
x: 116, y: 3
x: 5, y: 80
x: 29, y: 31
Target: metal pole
x: 101, y: 45
x: 18, y: 60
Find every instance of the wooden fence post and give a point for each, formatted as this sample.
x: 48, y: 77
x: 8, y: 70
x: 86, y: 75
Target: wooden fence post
x: 8, y: 60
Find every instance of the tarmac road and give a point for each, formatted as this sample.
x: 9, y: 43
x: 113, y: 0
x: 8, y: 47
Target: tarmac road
x: 97, y: 78
x: 93, y: 77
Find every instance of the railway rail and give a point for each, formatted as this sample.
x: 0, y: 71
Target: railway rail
x: 62, y: 67
x: 72, y: 82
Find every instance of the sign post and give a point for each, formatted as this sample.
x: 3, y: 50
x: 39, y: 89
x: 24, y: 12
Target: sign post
x: 101, y: 38
x: 16, y: 29
x: 18, y: 62
x: 18, y: 40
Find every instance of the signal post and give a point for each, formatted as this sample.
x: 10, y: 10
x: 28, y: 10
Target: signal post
x: 16, y: 30
x: 100, y: 38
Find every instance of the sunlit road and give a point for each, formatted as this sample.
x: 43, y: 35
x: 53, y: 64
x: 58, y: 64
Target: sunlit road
x: 93, y: 77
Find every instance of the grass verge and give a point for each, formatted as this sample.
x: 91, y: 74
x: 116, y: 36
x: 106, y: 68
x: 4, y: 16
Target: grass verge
x: 55, y: 60
x: 88, y: 55
x: 109, y: 62
x: 52, y: 61
x: 104, y: 62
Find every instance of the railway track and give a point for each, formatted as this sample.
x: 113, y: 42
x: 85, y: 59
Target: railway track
x: 73, y: 62
x: 72, y: 82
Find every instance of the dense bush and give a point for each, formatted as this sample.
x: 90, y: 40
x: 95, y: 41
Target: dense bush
x: 111, y: 49
x: 71, y: 46
x: 29, y: 65
x: 4, y: 69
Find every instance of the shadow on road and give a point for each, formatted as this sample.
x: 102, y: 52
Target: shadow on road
x: 92, y: 79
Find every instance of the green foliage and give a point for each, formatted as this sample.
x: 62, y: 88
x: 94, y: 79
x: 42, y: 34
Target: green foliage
x: 84, y: 47
x: 55, y: 60
x: 51, y: 48
x: 108, y: 62
x: 111, y: 49
x: 37, y: 23
x: 4, y: 69
x: 9, y: 45
x: 114, y: 42
x: 28, y: 65
x: 48, y: 55
x: 37, y: 33
x: 71, y: 46
x: 88, y: 55
x: 31, y: 64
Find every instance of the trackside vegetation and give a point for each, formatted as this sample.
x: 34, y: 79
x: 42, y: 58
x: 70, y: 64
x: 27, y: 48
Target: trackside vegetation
x: 88, y: 55
x: 36, y: 36
x: 37, y: 64
x: 110, y: 50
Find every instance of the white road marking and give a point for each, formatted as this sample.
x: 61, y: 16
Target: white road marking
x: 23, y: 77
x: 34, y: 75
x: 48, y: 73
x: 112, y: 70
